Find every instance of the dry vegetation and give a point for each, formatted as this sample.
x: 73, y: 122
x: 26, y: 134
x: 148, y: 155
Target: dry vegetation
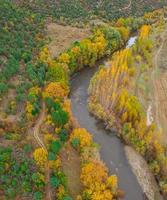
x: 63, y: 36
x: 72, y: 168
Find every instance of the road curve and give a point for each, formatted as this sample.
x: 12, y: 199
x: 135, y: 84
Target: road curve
x: 111, y: 148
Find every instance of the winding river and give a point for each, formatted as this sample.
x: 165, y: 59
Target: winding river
x: 111, y: 148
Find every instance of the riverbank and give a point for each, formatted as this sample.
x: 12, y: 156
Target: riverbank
x: 144, y: 176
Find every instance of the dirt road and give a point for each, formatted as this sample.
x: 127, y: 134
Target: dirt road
x: 36, y: 131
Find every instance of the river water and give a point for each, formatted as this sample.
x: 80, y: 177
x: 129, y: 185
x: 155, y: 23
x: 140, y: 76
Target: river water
x: 111, y: 148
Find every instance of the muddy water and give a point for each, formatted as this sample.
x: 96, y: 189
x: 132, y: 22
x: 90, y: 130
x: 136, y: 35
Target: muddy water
x: 111, y: 148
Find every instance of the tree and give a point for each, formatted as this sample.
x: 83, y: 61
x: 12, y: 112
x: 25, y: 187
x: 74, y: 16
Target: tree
x: 112, y: 182
x: 54, y: 181
x: 55, y: 90
x: 37, y: 195
x: 113, y: 38
x: 40, y: 156
x: 96, y: 184
x: 64, y: 58
x: 144, y: 31
x: 124, y: 33
x: 81, y: 137
x: 59, y: 117
x: 55, y: 146
x: 63, y: 135
x: 38, y: 179
x: 57, y: 73
x: 3, y: 88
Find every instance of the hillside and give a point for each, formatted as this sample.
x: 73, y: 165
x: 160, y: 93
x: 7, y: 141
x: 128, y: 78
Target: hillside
x: 77, y: 10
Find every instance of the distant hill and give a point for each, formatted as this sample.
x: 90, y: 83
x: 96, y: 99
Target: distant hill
x: 77, y: 10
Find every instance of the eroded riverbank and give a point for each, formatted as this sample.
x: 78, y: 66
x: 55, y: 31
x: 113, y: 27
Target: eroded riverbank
x: 143, y: 174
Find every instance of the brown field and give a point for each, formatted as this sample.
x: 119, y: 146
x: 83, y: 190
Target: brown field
x: 63, y: 36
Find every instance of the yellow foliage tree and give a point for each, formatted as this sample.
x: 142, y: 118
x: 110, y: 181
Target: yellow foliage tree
x: 85, y: 139
x: 44, y: 55
x: 144, y: 31
x: 40, y: 156
x: 98, y: 186
x: 29, y: 108
x: 34, y: 90
x: 48, y: 138
x: 55, y: 164
x: 112, y: 182
x: 124, y: 33
x: 55, y: 90
x: 76, y: 50
x: 64, y: 58
x: 60, y: 192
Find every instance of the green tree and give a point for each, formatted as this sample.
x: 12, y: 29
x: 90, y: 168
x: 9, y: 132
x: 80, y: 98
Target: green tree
x: 55, y: 182
x: 59, y: 117
x: 37, y: 195
x: 3, y: 88
x: 55, y: 146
